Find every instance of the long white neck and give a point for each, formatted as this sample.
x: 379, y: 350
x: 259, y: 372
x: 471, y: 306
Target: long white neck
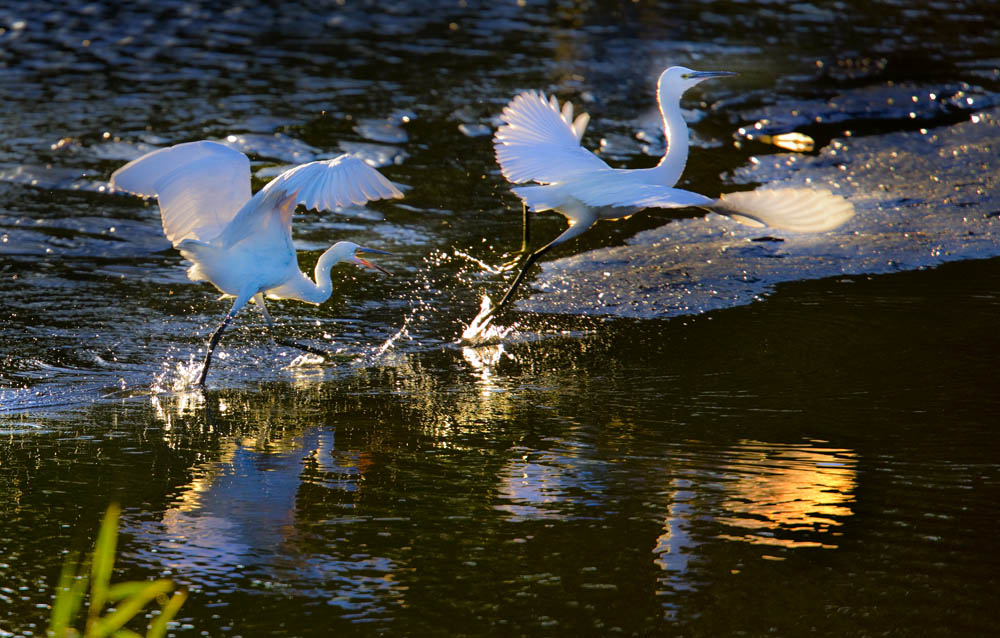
x: 671, y: 166
x: 320, y: 291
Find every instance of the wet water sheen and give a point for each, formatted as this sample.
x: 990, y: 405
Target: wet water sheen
x: 753, y: 434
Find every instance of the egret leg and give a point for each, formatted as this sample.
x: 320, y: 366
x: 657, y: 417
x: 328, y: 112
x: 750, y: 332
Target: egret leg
x: 301, y: 346
x: 212, y: 342
x: 259, y: 299
x: 525, y: 239
x: 577, y: 226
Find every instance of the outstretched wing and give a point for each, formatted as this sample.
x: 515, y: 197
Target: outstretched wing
x: 322, y: 185
x: 609, y: 188
x: 539, y: 142
x: 200, y: 186
x: 797, y: 209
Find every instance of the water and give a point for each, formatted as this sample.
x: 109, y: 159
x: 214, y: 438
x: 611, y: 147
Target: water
x: 810, y: 452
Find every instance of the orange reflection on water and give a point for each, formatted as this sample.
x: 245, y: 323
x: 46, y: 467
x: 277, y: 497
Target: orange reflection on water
x: 788, y: 495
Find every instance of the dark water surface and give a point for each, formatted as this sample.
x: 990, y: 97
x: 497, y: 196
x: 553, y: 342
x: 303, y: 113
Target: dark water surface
x: 821, y: 461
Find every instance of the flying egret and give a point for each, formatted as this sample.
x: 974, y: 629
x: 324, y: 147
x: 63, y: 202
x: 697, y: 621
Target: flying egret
x: 540, y: 142
x: 243, y: 244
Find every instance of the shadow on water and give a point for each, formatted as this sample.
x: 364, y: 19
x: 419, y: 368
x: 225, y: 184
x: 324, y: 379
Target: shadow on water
x: 820, y: 461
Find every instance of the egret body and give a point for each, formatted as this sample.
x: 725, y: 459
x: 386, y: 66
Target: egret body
x: 243, y: 244
x: 538, y: 144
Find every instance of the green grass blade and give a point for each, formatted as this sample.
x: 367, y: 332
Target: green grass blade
x: 158, y: 626
x: 103, y: 564
x: 69, y: 596
x: 128, y: 608
x: 124, y: 590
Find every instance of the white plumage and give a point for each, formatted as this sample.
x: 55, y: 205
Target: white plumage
x: 243, y: 244
x: 538, y: 149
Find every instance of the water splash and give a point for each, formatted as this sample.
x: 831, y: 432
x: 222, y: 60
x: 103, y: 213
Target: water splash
x: 489, y: 268
x: 481, y: 330
x: 304, y: 360
x: 389, y: 344
x: 177, y: 378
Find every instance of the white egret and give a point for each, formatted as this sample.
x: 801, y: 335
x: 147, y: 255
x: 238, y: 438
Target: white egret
x: 540, y: 142
x: 243, y: 244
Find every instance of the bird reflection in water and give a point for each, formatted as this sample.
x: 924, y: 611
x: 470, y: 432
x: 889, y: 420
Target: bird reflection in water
x: 240, y: 520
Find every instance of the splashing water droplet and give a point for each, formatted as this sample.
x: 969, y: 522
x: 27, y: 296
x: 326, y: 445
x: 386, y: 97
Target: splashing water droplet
x: 480, y: 330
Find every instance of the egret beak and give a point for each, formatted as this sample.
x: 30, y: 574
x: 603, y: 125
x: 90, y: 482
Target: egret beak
x: 704, y: 75
x: 367, y: 264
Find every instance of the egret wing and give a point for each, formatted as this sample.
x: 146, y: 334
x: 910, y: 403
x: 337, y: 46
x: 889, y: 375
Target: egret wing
x: 200, y: 186
x: 322, y: 185
x: 796, y: 209
x: 579, y: 125
x: 617, y: 188
x: 539, y: 142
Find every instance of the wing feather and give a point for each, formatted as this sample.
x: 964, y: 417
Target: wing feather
x: 796, y: 209
x: 539, y: 142
x: 200, y: 186
x: 322, y: 185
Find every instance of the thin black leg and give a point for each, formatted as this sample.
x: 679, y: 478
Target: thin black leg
x: 531, y: 259
x: 212, y: 342
x: 259, y: 298
x: 301, y: 346
x: 580, y: 222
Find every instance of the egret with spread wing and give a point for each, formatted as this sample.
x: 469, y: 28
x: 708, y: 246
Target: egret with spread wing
x: 540, y: 142
x: 243, y: 244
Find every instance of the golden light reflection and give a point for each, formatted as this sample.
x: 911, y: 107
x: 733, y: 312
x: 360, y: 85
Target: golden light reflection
x: 791, y: 490
x: 169, y: 406
x: 787, y: 496
x: 189, y: 498
x: 792, y: 141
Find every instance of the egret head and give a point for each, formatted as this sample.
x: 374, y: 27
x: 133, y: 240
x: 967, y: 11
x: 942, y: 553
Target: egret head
x: 677, y: 79
x: 349, y: 251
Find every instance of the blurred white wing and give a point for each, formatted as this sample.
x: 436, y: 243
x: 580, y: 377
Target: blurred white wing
x: 538, y: 142
x: 322, y: 185
x: 796, y: 209
x: 200, y: 186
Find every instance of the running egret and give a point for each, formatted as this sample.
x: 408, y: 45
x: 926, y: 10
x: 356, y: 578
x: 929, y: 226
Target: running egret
x: 243, y: 244
x: 540, y: 142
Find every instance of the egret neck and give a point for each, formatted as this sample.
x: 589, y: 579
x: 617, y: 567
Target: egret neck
x: 675, y: 128
x: 672, y: 83
x: 320, y: 291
